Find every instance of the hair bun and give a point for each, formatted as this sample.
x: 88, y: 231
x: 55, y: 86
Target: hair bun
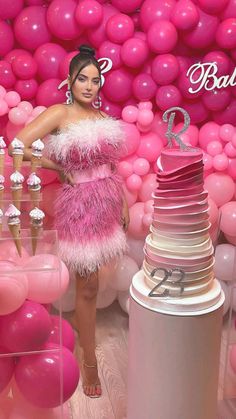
x: 86, y: 49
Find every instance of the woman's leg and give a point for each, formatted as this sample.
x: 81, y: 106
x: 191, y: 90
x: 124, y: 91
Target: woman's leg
x: 85, y: 310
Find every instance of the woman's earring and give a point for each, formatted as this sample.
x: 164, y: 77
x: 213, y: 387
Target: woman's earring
x: 97, y: 102
x: 69, y: 97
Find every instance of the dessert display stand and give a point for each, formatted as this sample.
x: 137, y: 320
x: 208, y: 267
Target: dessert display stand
x: 174, y: 352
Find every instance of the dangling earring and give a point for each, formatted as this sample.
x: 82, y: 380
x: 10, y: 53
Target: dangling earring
x: 69, y: 97
x: 97, y: 102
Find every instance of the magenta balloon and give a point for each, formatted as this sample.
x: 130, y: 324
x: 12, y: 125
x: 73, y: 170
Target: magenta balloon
x: 162, y: 36
x: 197, y: 111
x: 47, y: 285
x: 98, y: 35
x: 10, y: 9
x: 65, y: 63
x: 48, y: 57
x: 111, y: 50
x: 197, y: 38
x: 165, y: 69
x: 89, y: 14
x: 153, y: 10
x: 150, y: 146
x: 144, y: 87
x: 7, y: 38
x: 61, y: 327
x: 39, y: 379
x: 119, y: 28
x: 232, y: 168
x: 211, y: 6
x: 31, y: 28
x: 217, y: 99
x: 132, y: 139
x: 111, y: 108
x: 26, y: 329
x: 24, y: 66
x: 185, y: 15
x: 226, y: 116
x: 222, y: 61
x: 118, y: 85
x: 220, y: 188
x: 228, y: 218
x: 27, y: 89
x: 134, y: 52
x: 10, y: 56
x: 208, y: 132
x: 127, y: 6
x: 6, y: 75
x: 48, y: 93
x: 229, y: 10
x: 226, y: 33
x: 61, y: 19
x: 7, y: 366
x: 35, y: 2
x: 168, y: 96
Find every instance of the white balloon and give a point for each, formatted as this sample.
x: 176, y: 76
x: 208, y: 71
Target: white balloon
x: 124, y: 300
x: 106, y: 298
x: 136, y: 250
x: 106, y: 275
x: 67, y: 301
x: 126, y: 269
x: 226, y: 290
x: 225, y: 255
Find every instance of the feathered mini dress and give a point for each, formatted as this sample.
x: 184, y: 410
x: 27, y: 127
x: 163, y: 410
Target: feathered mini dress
x: 88, y: 215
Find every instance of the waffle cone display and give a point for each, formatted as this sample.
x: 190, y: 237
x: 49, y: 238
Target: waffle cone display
x: 35, y: 196
x: 35, y: 232
x: 15, y: 232
x: 16, y: 197
x: 17, y: 161
x: 35, y: 163
x: 1, y: 195
x: 2, y: 158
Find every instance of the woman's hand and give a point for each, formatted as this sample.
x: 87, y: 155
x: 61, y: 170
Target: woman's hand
x: 125, y: 215
x: 66, y: 177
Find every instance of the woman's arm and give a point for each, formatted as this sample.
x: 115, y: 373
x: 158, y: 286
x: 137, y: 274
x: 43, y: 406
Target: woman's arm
x: 47, y: 122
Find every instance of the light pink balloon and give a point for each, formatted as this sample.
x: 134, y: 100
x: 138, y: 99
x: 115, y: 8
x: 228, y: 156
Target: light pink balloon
x: 165, y: 69
x: 233, y: 140
x: 226, y: 132
x: 3, y: 107
x: 130, y: 114
x: 7, y: 38
x: 12, y: 98
x: 2, y: 92
x: 132, y: 139
x: 168, y: 96
x: 134, y: 182
x: 145, y: 105
x: 232, y: 168
x: 31, y: 28
x: 131, y: 196
x: 217, y: 99
x: 48, y: 58
x: 125, y: 169
x: 61, y: 19
x: 196, y: 38
x: 89, y: 14
x: 148, y: 206
x: 134, y: 52
x: 17, y: 116
x: 220, y: 162
x: 147, y: 220
x: 111, y: 50
x: 26, y: 88
x: 106, y: 298
x: 220, y: 188
x: 38, y: 110
x: 119, y: 28
x: 207, y: 133
x: 213, y: 211
x: 145, y: 117
x: 150, y: 146
x: 230, y: 239
x: 214, y: 148
x: 230, y: 150
x: 141, y: 167
x: 13, y: 288
x: 207, y: 161
x: 148, y: 187
x: 26, y: 106
x: 226, y: 290
x: 136, y: 228
x: 118, y: 85
x: 162, y: 36
x: 144, y: 87
x: 224, y: 262
x: 192, y: 132
x: 226, y: 33
x: 185, y: 15
x: 159, y: 127
x: 153, y: 10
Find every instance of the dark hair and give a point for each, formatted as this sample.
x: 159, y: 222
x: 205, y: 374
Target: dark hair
x: 85, y: 57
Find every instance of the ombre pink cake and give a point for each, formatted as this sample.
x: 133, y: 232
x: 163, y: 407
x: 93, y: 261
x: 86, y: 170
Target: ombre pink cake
x: 179, y: 237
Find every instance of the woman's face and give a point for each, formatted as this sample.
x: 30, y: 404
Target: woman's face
x: 87, y: 84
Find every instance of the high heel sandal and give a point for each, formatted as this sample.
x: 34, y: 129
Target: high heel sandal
x: 96, y: 385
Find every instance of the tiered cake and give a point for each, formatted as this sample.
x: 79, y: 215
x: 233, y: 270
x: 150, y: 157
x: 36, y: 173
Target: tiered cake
x: 178, y: 263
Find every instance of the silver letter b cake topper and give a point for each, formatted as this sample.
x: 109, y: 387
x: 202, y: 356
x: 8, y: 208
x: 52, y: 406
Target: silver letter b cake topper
x: 176, y: 135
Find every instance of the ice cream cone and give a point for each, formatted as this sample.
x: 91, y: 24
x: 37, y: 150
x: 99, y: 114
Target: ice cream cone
x: 1, y: 215
x: 36, y: 216
x: 2, y: 158
x: 17, y: 161
x: 37, y: 148
x: 34, y: 188
x: 16, y: 196
x: 35, y: 196
x: 1, y: 194
x: 17, y: 179
x: 15, y: 232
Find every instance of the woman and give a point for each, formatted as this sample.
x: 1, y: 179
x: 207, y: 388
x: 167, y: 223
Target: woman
x: 91, y: 213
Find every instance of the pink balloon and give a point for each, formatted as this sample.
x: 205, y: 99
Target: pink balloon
x: 132, y: 139
x: 148, y: 187
x: 226, y: 33
x: 111, y: 50
x: 119, y: 28
x: 3, y: 107
x: 168, y: 97
x: 134, y: 182
x: 208, y: 132
x: 31, y: 28
x: 13, y: 288
x: 48, y: 93
x: 26, y: 88
x: 98, y: 35
x: 131, y: 196
x: 2, y: 92
x: 145, y: 105
x: 6, y: 75
x: 232, y: 168
x: 7, y: 37
x: 48, y: 57
x: 9, y: 10
x: 26, y: 106
x: 196, y: 38
x: 226, y: 132
x: 126, y: 269
x: 111, y: 108
x: 7, y: 366
x: 220, y: 188
x: 159, y: 127
x: 61, y: 19
x: 46, y: 286
x: 207, y: 161
x: 148, y: 206
x: 24, y: 66
x: 89, y: 14
x: 229, y: 10
x: 216, y: 100
x: 150, y: 147
x: 226, y: 116
x: 127, y: 7
x: 153, y: 10
x: 125, y: 169
x: 222, y: 61
x: 165, y: 69
x: 26, y: 329
x: 213, y: 211
x: 130, y: 114
x: 228, y: 218
x: 136, y: 228
x: 147, y: 220
x: 145, y: 117
x: 38, y: 110
x: 144, y: 87
x: 39, y: 380
x: 233, y: 140
x: 134, y: 52
x: 220, y: 162
x: 230, y: 150
x: 210, y: 6
x: 118, y: 85
x: 65, y: 63
x: 61, y: 326
x: 214, y: 148
x: 12, y: 98
x: 162, y: 36
x: 184, y: 84
x: 197, y: 111
x: 17, y: 116
x: 141, y: 167
x: 192, y: 132
x: 224, y: 262
x: 185, y: 15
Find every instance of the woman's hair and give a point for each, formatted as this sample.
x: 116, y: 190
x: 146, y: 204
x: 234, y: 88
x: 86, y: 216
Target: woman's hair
x: 85, y: 57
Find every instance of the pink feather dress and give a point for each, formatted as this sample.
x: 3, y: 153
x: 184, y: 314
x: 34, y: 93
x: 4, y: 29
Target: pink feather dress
x: 88, y: 215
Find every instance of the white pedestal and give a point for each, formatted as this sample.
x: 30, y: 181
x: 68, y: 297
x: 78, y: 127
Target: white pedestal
x: 173, y: 360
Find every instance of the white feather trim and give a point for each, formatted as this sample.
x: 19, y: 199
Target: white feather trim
x: 85, y: 134
x: 87, y: 258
